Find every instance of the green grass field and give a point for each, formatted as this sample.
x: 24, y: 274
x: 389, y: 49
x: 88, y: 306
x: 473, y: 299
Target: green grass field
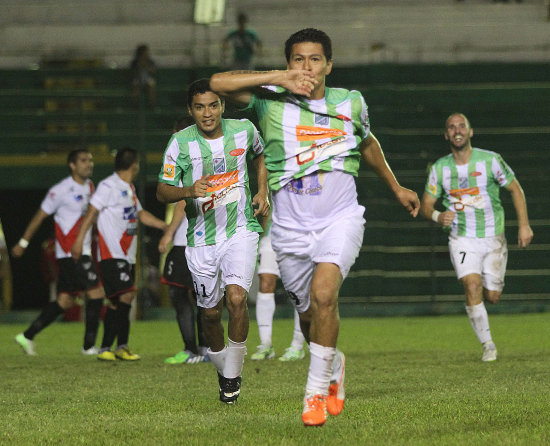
x: 409, y: 381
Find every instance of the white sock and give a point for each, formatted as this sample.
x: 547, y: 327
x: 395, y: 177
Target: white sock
x: 298, y: 338
x: 234, y: 359
x: 336, y: 367
x: 320, y: 368
x: 265, y: 309
x: 218, y: 358
x: 480, y: 322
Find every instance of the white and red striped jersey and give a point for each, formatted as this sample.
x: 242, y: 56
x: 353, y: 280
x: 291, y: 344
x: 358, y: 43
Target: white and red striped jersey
x: 117, y: 223
x: 68, y: 201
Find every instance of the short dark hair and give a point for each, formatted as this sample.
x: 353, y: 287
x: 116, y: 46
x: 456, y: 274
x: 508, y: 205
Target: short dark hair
x: 73, y: 155
x: 199, y: 86
x: 125, y: 158
x: 309, y: 35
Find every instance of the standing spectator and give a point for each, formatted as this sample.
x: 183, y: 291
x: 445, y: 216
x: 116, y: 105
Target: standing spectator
x: 245, y: 44
x: 67, y: 201
x: 144, y: 72
x: 210, y: 160
x: 117, y: 209
x: 469, y: 181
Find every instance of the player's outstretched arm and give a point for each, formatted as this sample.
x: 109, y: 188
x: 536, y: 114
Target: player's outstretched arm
x: 19, y: 249
x: 87, y: 222
x: 427, y: 210
x: 150, y: 220
x: 177, y: 218
x: 261, y: 199
x: 372, y: 153
x: 525, y: 233
x: 237, y: 86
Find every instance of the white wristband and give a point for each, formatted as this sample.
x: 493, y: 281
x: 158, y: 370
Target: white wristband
x: 23, y: 243
x: 435, y: 215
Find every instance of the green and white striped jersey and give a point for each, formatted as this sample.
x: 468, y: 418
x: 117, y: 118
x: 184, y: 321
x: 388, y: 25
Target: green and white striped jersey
x: 303, y: 136
x: 228, y: 204
x: 472, y: 191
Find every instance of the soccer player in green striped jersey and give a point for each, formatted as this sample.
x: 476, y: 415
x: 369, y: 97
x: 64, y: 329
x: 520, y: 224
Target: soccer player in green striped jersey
x: 469, y: 180
x: 315, y: 138
x: 206, y: 165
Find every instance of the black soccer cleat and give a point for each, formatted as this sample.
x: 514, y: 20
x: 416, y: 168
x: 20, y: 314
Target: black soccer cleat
x: 230, y: 389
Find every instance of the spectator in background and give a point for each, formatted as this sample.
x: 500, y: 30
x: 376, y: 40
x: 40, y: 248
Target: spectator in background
x: 144, y: 72
x: 245, y: 43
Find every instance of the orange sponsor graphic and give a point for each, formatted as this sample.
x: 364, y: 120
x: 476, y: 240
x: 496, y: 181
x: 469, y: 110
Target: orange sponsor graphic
x: 237, y: 152
x: 465, y: 191
x: 309, y: 133
x: 222, y: 180
x: 169, y: 171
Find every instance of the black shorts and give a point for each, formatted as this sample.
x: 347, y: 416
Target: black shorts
x: 75, y: 277
x: 176, y: 272
x: 118, y: 277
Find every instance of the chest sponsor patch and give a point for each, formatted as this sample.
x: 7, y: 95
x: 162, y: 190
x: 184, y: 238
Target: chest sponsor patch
x: 326, y: 149
x: 468, y: 197
x: 237, y: 152
x: 224, y: 190
x: 310, y: 133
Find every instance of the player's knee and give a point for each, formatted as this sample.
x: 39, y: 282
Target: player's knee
x: 65, y: 301
x: 324, y: 299
x: 492, y: 296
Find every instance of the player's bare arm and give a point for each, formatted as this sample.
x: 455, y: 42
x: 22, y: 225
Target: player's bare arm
x: 261, y: 200
x: 525, y: 233
x: 37, y: 219
x: 170, y: 194
x: 237, y: 86
x: 87, y: 222
x: 372, y: 153
x: 427, y: 210
x: 177, y: 217
x: 150, y: 220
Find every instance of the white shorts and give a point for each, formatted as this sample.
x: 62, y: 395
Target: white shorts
x: 213, y: 267
x: 267, y: 260
x: 298, y: 253
x: 484, y: 256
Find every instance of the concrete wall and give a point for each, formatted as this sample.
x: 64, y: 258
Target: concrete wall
x: 368, y: 31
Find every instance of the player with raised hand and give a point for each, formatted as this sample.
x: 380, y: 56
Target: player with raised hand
x: 315, y: 137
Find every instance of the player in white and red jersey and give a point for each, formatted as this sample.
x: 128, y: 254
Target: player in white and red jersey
x: 117, y: 209
x: 67, y: 201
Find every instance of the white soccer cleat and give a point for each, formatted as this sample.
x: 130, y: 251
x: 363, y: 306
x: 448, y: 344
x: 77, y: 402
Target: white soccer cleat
x: 489, y: 352
x: 26, y: 344
x: 91, y: 351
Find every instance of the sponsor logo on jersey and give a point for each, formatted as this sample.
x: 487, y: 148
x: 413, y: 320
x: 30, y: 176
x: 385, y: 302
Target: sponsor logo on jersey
x: 432, y: 189
x: 222, y: 180
x: 78, y: 197
x: 310, y: 133
x: 460, y: 198
x: 343, y: 118
x: 333, y: 147
x: 237, y: 152
x: 129, y: 213
x: 219, y: 165
x: 475, y: 174
x: 124, y: 193
x: 308, y: 185
x: 321, y: 119
x: 169, y: 171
